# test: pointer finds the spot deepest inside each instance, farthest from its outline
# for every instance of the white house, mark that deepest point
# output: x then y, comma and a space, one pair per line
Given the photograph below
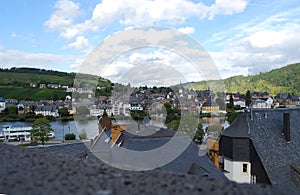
2, 104
240, 102
262, 103
46, 110
121, 109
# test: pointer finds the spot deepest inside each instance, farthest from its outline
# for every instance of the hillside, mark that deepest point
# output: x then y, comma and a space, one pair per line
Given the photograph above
282, 80
16, 83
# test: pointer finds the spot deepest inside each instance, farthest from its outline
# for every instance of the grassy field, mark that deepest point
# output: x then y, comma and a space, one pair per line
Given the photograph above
10, 78
31, 93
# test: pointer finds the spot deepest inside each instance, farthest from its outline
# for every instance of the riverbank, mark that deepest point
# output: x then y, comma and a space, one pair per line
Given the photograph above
49, 143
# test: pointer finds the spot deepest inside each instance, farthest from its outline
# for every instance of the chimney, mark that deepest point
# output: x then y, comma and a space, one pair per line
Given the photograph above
286, 127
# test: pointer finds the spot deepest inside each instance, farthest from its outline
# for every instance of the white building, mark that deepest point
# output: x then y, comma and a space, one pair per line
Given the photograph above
46, 110
2, 104
261, 103
235, 151
121, 109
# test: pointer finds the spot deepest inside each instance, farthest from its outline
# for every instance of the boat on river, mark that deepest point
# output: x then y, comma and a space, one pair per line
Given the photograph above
11, 133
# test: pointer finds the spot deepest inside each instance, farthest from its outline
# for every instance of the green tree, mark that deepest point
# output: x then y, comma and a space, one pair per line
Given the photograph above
41, 128
248, 99
231, 100
13, 110
198, 137
70, 136
63, 112
174, 124
138, 116
172, 113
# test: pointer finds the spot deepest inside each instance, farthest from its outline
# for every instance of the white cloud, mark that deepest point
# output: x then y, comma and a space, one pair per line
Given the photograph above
136, 13
62, 19
259, 46
187, 30
76, 64
9, 58
80, 43
227, 7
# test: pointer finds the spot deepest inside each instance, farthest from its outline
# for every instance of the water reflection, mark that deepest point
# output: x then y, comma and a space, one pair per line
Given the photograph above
91, 126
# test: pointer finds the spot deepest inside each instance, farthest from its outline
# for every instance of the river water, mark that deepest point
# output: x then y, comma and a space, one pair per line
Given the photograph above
91, 126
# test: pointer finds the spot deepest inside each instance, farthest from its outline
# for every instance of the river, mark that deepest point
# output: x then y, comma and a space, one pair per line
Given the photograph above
91, 127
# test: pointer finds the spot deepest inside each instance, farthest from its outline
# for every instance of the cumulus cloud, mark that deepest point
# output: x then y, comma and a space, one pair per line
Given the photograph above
136, 13
17, 58
259, 46
187, 30
226, 7
66, 11
80, 43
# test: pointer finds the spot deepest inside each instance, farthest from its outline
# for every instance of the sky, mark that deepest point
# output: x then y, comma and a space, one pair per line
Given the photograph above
241, 37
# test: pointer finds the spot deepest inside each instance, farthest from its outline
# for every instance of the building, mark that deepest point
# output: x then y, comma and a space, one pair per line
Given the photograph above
235, 151
46, 110
262, 146
121, 108
262, 103
2, 104
147, 147
210, 106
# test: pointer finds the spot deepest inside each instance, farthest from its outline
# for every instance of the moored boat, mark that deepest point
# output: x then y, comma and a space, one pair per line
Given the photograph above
19, 133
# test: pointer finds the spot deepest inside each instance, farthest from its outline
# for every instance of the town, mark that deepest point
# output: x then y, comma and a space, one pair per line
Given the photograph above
237, 149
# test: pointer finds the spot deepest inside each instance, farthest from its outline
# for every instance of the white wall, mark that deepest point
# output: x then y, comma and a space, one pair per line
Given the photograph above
2, 106
235, 170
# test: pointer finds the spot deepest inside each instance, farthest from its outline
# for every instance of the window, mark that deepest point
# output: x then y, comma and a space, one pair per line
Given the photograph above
245, 167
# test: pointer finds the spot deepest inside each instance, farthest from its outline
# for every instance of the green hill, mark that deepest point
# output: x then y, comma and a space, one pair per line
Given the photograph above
16, 83
281, 80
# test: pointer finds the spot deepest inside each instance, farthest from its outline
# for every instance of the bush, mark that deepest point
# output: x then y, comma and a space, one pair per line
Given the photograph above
70, 136
82, 134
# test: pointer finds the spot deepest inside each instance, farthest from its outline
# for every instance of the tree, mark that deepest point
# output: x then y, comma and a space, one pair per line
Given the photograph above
248, 98
13, 110
198, 137
41, 128
231, 101
70, 136
138, 116
63, 112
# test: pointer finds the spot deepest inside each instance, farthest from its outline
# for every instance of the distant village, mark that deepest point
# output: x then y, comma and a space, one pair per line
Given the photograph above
260, 146
198, 101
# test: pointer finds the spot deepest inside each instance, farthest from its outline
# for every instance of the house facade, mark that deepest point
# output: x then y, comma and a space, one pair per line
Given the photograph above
46, 110
2, 104
262, 146
262, 103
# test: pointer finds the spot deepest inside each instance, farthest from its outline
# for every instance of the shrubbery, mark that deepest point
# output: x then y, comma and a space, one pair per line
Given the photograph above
70, 136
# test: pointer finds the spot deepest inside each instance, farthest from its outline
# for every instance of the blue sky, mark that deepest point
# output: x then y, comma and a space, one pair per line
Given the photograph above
242, 36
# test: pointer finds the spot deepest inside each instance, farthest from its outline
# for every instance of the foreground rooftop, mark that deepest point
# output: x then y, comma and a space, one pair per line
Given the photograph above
72, 169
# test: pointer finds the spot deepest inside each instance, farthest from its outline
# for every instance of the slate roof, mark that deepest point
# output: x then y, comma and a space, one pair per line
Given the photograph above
46, 108
147, 140
239, 128
209, 102
39, 171
271, 146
